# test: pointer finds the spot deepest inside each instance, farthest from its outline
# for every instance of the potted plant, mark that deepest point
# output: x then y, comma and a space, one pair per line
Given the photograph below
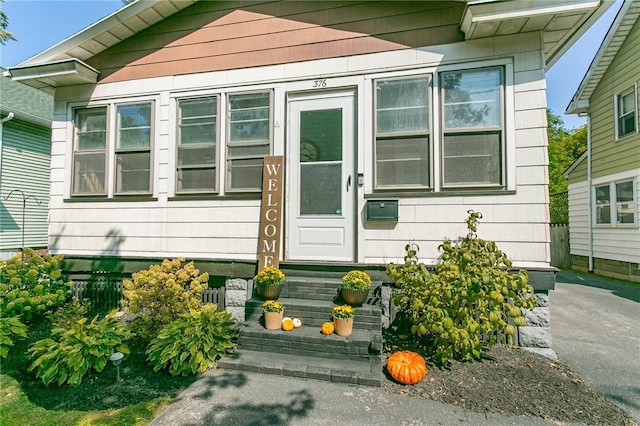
343, 320
273, 312
355, 287
269, 283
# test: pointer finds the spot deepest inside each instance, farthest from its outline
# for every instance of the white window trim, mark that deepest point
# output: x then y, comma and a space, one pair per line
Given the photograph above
612, 180
633, 89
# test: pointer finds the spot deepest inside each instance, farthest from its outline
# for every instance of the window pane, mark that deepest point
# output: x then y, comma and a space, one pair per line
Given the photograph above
472, 99
198, 121
402, 106
133, 172
248, 151
245, 174
321, 134
625, 208
196, 155
89, 173
196, 179
402, 161
320, 188
472, 159
627, 103
134, 126
249, 117
603, 204
91, 127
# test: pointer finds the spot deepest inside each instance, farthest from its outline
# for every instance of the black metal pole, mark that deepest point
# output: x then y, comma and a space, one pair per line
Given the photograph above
24, 207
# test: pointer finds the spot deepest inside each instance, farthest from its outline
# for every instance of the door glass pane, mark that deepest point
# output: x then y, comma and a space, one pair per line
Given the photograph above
321, 135
321, 189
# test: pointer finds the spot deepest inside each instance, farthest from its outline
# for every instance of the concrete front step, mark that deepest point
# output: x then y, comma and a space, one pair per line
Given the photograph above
309, 341
314, 312
368, 373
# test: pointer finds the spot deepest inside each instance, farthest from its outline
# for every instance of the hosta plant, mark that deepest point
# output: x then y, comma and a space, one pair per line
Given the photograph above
193, 343
470, 302
31, 287
160, 294
10, 329
71, 353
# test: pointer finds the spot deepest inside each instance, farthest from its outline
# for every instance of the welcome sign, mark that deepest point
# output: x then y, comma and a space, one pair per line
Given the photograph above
270, 213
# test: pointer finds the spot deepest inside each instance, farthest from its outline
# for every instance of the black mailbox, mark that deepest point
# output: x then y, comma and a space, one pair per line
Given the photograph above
382, 210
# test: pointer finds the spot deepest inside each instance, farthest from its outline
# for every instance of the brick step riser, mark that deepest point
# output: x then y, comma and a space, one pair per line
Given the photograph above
316, 319
315, 291
352, 354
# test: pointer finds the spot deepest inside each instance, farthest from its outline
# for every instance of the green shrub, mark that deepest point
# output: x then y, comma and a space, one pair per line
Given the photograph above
160, 294
32, 287
468, 303
66, 316
192, 343
10, 329
69, 355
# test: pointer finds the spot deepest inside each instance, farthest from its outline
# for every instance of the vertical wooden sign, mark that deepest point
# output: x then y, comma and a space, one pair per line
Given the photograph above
270, 213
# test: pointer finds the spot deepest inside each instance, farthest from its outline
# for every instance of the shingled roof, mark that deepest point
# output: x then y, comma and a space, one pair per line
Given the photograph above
25, 102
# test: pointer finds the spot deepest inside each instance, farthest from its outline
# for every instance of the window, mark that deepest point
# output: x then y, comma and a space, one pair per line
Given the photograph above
197, 136
616, 200
626, 112
126, 143
248, 139
90, 155
472, 128
402, 133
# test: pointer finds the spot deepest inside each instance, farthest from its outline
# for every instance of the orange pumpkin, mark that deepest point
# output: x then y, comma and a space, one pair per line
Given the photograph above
406, 367
327, 328
287, 325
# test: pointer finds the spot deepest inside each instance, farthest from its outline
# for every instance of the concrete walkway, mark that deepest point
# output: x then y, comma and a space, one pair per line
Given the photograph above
595, 327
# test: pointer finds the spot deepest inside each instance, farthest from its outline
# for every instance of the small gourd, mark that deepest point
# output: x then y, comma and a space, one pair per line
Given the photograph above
297, 323
287, 325
285, 319
327, 328
407, 367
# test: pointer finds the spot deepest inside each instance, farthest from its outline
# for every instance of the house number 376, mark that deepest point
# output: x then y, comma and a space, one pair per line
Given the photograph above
319, 83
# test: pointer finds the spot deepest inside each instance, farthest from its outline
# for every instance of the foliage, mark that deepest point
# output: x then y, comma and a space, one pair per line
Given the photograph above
468, 303
192, 343
31, 287
357, 280
268, 275
75, 350
343, 311
10, 329
5, 35
66, 316
565, 147
160, 294
272, 306
406, 367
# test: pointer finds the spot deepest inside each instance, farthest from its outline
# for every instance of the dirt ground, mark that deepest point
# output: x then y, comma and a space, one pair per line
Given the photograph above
514, 381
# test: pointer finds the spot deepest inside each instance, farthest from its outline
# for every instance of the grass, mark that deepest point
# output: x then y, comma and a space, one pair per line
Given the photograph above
99, 400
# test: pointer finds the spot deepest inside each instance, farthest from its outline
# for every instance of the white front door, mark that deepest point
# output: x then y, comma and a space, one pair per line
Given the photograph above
320, 177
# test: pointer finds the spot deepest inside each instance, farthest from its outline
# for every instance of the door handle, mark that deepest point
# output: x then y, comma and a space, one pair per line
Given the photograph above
348, 182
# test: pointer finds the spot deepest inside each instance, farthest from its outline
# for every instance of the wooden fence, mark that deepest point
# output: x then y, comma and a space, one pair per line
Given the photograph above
560, 254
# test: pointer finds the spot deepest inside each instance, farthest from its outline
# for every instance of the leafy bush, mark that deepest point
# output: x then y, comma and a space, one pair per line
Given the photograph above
192, 343
31, 287
468, 303
10, 329
160, 294
66, 316
75, 350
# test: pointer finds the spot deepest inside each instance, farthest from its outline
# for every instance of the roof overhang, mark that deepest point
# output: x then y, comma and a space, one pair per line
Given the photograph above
48, 76
617, 34
561, 22
574, 165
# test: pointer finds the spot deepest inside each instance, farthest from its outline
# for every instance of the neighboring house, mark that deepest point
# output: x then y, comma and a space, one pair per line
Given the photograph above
604, 183
165, 110
25, 149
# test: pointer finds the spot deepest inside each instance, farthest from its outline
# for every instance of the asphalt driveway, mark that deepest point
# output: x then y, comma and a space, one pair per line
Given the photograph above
595, 327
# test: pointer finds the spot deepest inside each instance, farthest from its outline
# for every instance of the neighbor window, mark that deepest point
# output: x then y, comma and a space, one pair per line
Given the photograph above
133, 148
472, 110
603, 204
616, 200
626, 108
402, 133
248, 139
197, 136
90, 152
625, 204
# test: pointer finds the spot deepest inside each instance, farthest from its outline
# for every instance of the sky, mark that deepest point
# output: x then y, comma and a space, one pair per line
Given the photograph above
38, 25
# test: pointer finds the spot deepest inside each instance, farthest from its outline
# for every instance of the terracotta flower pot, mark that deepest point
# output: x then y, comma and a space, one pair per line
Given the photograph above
269, 291
273, 320
343, 326
355, 297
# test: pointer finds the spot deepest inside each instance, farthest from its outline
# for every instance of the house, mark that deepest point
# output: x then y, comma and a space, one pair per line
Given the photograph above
604, 183
393, 120
25, 148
